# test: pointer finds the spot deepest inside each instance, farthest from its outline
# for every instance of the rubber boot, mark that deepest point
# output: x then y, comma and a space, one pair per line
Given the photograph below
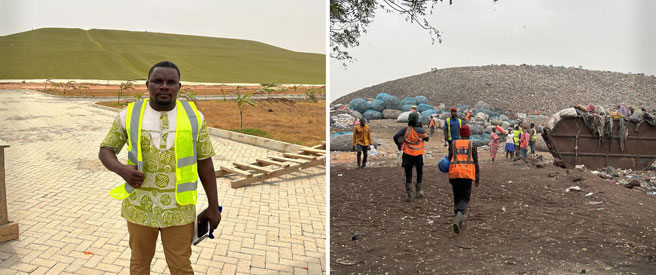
408, 189
420, 193
359, 163
457, 222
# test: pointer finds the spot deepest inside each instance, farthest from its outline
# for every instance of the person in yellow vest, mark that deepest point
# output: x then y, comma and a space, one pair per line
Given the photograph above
169, 150
534, 137
517, 134
410, 141
452, 128
463, 170
361, 141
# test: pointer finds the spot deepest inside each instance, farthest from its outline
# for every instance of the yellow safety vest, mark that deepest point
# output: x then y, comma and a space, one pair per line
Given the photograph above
448, 123
186, 136
534, 136
516, 136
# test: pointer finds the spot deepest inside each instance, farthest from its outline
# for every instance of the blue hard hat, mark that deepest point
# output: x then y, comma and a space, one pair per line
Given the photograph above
443, 164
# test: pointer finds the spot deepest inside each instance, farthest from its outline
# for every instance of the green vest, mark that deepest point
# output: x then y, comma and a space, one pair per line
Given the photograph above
448, 126
516, 136
534, 136
186, 136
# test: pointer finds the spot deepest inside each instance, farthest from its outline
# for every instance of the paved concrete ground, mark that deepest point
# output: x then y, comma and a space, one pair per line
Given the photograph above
57, 191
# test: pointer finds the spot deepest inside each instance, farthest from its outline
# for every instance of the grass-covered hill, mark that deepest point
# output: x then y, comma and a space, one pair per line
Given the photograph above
60, 53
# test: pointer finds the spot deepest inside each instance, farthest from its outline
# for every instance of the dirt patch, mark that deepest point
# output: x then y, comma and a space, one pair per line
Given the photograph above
289, 121
520, 220
100, 90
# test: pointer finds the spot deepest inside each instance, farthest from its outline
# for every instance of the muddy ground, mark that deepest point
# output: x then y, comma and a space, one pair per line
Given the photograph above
520, 220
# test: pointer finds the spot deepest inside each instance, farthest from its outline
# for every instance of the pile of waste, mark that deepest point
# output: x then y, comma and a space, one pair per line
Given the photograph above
640, 180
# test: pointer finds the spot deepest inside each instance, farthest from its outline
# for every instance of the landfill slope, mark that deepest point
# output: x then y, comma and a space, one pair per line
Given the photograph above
520, 88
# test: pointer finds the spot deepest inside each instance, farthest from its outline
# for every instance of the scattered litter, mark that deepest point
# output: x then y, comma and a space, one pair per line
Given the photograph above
430, 221
503, 209
404, 217
588, 194
344, 261
595, 202
339, 175
580, 167
87, 252
355, 237
510, 181
573, 188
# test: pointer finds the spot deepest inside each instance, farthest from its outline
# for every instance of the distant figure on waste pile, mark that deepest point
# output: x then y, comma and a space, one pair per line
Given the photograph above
410, 141
452, 128
510, 144
361, 141
494, 144
523, 144
431, 125
463, 170
534, 138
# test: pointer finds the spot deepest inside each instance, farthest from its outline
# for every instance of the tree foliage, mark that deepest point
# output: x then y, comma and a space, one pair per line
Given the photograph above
242, 100
349, 19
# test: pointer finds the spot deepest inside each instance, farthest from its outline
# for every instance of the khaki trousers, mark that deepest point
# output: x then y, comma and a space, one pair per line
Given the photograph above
176, 241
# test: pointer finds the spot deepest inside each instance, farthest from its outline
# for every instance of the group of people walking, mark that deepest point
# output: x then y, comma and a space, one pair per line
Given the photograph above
462, 154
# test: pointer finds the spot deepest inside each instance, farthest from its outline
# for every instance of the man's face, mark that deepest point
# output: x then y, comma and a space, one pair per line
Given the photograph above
454, 113
163, 85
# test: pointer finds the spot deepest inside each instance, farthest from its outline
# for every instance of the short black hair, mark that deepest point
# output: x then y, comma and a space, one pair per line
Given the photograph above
165, 64
532, 125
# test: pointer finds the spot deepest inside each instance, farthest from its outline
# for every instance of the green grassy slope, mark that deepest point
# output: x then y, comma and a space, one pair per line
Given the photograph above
122, 55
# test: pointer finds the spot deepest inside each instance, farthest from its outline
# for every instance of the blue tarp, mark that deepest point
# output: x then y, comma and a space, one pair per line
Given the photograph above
372, 114
428, 112
409, 101
406, 108
359, 104
392, 102
421, 99
340, 133
382, 96
377, 105
424, 107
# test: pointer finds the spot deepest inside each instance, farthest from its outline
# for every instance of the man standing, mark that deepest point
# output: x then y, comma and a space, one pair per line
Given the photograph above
361, 141
169, 150
410, 141
517, 134
534, 138
452, 128
523, 140
463, 170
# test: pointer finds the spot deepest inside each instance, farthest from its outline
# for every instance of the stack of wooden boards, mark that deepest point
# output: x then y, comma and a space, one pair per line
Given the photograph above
274, 166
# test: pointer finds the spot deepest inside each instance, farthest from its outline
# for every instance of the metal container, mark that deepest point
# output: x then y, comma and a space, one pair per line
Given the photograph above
572, 143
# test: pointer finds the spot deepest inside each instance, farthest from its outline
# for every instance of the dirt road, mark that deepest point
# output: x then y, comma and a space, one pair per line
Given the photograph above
520, 220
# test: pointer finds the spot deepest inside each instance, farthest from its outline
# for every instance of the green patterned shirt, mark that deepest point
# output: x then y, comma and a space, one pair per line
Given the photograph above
154, 204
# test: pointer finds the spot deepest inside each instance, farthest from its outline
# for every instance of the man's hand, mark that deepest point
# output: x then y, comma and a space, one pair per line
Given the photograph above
476, 184
213, 215
132, 176
353, 148
446, 143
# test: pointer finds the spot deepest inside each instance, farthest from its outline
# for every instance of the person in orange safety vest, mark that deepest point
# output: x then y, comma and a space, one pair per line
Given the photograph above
410, 141
463, 170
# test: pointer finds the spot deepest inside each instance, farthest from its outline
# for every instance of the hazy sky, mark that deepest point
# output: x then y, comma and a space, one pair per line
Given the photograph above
298, 25
601, 35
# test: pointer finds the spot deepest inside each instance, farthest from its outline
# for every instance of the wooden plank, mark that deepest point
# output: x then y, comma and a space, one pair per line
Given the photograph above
272, 162
220, 173
287, 159
297, 156
312, 150
237, 171
277, 173
252, 167
8, 231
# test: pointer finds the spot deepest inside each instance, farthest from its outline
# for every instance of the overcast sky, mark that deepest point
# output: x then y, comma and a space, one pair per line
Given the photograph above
298, 25
601, 35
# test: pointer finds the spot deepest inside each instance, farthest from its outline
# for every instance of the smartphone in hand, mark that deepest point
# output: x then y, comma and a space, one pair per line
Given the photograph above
202, 228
